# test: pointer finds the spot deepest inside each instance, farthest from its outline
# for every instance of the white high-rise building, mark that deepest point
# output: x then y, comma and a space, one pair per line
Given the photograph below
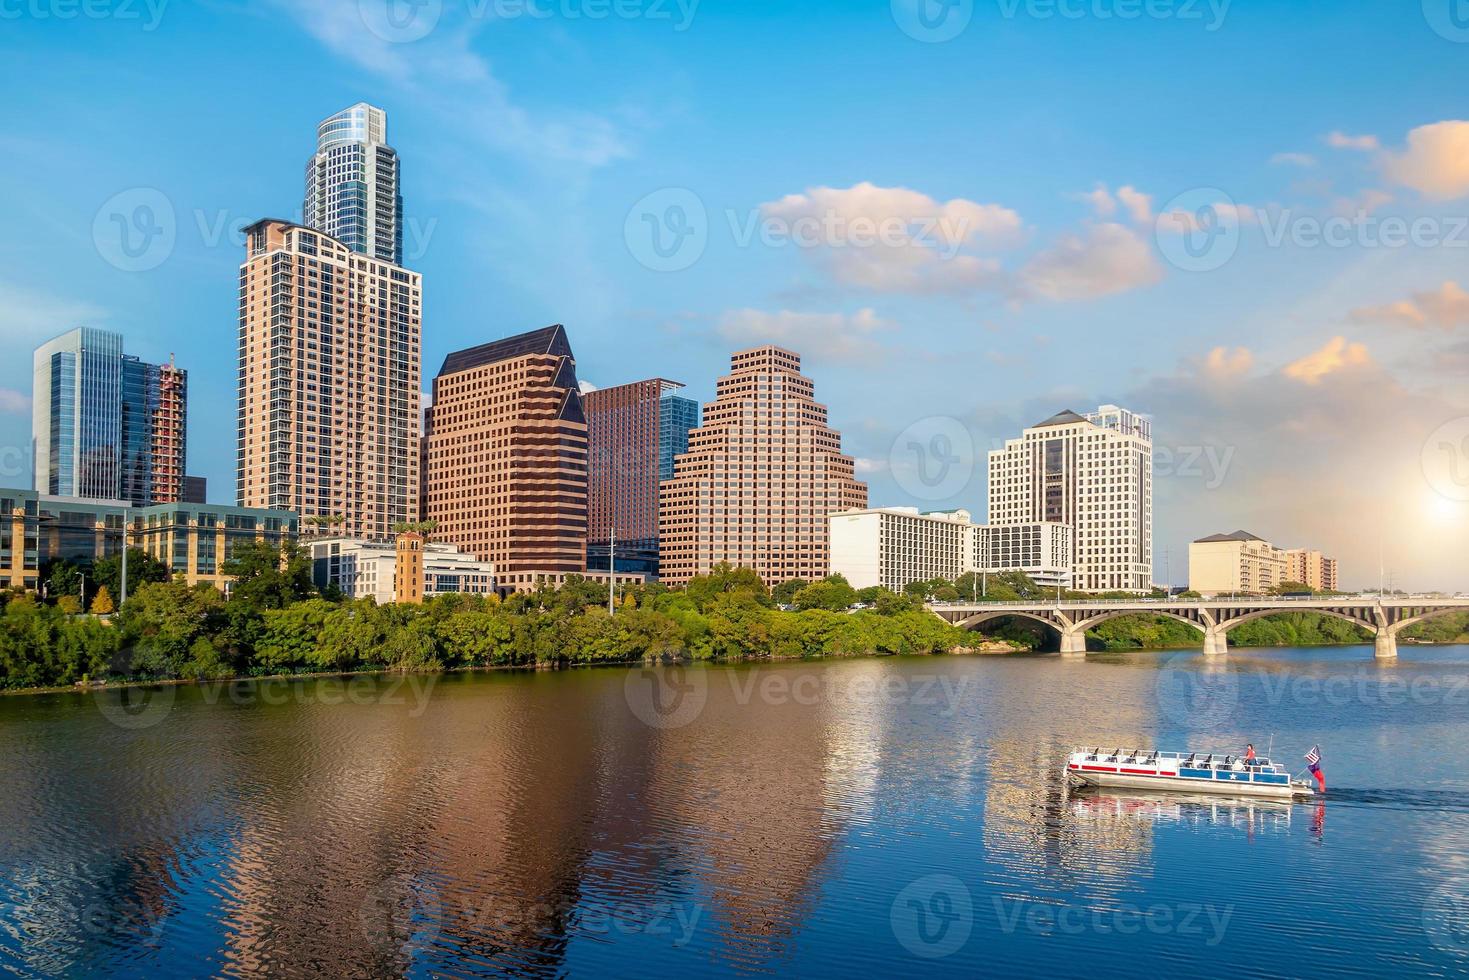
1093, 473
895, 546
352, 188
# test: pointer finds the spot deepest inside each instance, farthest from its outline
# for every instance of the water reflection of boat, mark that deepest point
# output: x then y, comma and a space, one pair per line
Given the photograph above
1197, 772
1089, 804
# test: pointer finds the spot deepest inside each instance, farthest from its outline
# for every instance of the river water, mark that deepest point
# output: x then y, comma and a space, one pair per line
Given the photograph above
882, 816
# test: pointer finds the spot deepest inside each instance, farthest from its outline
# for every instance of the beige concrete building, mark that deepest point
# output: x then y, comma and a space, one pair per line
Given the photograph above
328, 381
1239, 562
406, 570
1093, 473
1313, 569
506, 458
761, 477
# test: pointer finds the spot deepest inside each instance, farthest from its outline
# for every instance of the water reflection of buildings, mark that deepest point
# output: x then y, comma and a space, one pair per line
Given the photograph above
1029, 827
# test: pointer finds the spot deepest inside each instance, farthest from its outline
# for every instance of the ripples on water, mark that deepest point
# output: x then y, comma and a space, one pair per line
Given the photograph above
818, 818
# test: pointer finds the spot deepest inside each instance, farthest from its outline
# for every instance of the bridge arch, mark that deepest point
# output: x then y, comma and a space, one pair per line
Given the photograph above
1423, 617
1225, 625
1095, 621
979, 619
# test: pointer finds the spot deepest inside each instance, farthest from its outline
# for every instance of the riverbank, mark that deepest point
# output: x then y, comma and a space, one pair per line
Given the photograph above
989, 648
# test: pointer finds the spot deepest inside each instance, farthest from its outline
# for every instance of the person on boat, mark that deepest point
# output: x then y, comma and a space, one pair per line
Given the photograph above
1250, 754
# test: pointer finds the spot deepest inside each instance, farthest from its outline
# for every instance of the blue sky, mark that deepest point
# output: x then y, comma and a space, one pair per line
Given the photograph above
1036, 175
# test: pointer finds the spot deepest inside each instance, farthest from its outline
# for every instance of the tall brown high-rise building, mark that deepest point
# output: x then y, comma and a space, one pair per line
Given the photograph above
506, 458
624, 428
759, 479
169, 432
328, 381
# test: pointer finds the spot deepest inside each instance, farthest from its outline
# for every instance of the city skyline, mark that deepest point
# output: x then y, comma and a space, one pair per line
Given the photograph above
1289, 370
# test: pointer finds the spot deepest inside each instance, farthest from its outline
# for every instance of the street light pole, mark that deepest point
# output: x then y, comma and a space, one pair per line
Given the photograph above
612, 573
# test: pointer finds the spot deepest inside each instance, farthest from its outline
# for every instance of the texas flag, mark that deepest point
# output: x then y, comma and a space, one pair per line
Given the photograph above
1313, 759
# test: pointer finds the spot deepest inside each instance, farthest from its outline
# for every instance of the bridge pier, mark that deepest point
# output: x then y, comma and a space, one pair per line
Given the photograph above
1216, 642
1073, 644
1387, 644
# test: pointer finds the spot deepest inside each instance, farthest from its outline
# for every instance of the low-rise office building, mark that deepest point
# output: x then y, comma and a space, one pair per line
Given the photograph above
1312, 569
370, 569
192, 540
893, 547
1238, 562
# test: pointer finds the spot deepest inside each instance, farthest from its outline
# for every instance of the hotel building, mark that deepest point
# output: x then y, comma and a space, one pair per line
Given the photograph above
352, 184
107, 426
761, 477
1239, 562
405, 570
1094, 474
328, 381
193, 541
506, 458
1313, 569
893, 547
633, 433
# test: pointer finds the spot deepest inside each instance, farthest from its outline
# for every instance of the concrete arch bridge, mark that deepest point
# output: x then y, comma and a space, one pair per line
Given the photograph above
1384, 617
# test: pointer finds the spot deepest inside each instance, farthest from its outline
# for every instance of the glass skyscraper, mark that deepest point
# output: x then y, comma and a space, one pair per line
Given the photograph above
676, 417
352, 189
106, 426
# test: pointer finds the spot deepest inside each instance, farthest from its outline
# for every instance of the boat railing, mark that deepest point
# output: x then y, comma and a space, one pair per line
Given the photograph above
1193, 760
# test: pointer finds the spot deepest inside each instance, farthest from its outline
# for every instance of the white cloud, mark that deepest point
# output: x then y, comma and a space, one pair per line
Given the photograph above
866, 466
1138, 204
893, 239
1337, 355
830, 336
28, 316
440, 74
1293, 159
1106, 259
1338, 140
1435, 162
1105, 203
586, 387
1223, 363
1447, 307
1335, 465
13, 402
1364, 202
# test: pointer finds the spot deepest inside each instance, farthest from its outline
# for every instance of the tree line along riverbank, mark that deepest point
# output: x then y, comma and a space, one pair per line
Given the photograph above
275, 621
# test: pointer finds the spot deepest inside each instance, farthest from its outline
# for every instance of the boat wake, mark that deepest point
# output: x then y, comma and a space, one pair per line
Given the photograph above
1445, 801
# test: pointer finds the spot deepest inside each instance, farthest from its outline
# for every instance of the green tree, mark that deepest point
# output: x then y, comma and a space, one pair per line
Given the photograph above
784, 594
723, 580
142, 568
269, 576
832, 593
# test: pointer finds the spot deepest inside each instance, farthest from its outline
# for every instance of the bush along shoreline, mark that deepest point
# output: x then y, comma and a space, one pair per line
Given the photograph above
276, 623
